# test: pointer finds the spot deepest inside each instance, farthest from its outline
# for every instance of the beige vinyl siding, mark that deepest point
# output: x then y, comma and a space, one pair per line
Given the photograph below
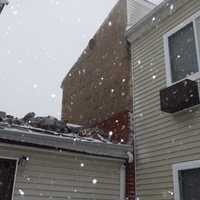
57, 175
161, 139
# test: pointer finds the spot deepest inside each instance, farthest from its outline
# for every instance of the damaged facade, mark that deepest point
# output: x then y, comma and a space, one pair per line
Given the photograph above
98, 85
97, 90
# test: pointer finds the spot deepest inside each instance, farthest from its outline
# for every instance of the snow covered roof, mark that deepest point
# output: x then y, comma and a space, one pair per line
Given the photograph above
49, 132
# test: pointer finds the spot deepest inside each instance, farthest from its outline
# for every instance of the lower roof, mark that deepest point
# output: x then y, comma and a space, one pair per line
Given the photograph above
41, 140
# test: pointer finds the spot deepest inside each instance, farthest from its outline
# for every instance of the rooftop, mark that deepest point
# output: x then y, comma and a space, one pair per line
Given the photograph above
51, 133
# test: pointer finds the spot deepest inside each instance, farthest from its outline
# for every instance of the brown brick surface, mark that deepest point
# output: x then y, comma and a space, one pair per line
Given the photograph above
98, 84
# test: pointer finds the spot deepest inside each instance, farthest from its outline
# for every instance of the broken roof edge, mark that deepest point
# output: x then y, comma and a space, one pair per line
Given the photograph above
145, 24
39, 140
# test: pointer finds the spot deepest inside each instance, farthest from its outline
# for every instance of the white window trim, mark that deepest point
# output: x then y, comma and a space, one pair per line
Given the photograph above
15, 176
166, 49
178, 167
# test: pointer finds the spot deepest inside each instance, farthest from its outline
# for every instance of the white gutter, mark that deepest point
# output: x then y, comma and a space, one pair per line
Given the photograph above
68, 144
123, 182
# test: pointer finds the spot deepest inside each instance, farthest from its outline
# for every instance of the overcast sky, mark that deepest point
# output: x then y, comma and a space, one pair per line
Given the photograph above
39, 42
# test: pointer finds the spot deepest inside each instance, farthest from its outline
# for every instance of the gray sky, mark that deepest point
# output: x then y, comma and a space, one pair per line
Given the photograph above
39, 41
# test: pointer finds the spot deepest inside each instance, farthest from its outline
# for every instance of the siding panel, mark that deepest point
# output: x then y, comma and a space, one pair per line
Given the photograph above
161, 139
59, 176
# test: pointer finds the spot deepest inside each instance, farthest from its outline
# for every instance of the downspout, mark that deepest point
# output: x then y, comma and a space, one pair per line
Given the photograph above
123, 177
123, 182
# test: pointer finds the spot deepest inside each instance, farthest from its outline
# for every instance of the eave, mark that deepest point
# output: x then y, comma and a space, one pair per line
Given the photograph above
33, 139
159, 13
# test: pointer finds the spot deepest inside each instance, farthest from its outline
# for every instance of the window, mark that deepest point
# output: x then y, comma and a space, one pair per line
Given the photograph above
182, 50
7, 176
187, 180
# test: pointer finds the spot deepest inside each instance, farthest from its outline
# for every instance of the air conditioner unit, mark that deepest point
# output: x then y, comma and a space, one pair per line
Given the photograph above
179, 96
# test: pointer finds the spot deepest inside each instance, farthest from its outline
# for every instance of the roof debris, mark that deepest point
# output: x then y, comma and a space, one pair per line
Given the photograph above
52, 126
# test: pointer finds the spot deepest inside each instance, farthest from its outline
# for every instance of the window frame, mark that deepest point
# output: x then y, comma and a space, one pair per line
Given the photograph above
15, 175
179, 167
166, 36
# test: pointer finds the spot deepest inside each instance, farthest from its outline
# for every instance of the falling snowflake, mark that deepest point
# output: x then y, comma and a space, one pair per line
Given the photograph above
75, 190
19, 61
82, 165
171, 7
110, 133
123, 80
57, 3
141, 115
94, 181
15, 12
153, 19
9, 52
27, 158
79, 20
171, 193
109, 23
154, 76
53, 96
21, 192
112, 90
35, 86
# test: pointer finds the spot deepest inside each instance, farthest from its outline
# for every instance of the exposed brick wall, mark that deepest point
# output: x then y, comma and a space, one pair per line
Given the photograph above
98, 85
119, 125
130, 181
